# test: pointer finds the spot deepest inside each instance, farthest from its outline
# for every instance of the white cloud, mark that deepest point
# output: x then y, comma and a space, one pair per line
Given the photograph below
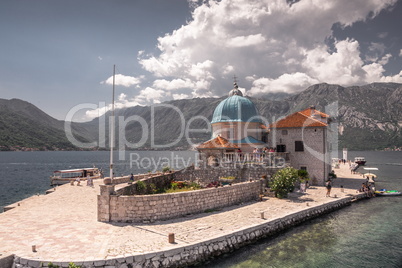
173, 84
122, 97
121, 102
180, 96
123, 80
384, 60
289, 83
268, 44
228, 69
151, 95
375, 74
243, 41
375, 51
343, 66
202, 70
146, 96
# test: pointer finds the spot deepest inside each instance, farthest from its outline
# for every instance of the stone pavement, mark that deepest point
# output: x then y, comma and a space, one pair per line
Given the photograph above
63, 225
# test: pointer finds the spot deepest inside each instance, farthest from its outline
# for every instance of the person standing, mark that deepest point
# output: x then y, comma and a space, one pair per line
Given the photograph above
328, 185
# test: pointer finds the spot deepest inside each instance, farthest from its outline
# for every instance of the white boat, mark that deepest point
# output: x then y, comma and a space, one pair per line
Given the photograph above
361, 161
68, 175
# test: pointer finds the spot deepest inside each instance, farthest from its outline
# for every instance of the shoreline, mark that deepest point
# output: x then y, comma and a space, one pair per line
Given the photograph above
91, 243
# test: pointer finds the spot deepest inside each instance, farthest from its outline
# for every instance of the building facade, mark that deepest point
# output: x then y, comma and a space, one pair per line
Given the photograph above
239, 135
237, 120
304, 135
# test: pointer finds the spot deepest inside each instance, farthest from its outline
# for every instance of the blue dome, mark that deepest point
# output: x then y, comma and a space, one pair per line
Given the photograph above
235, 109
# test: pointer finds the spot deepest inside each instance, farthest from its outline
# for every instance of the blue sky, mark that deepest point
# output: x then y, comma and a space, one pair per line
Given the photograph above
59, 54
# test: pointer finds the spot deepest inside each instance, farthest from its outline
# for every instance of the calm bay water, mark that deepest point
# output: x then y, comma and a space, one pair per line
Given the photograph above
365, 234
23, 174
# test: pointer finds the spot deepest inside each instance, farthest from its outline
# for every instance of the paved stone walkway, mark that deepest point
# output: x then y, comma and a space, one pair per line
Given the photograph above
63, 225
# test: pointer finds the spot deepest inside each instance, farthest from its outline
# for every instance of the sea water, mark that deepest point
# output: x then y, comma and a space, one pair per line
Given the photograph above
23, 174
366, 234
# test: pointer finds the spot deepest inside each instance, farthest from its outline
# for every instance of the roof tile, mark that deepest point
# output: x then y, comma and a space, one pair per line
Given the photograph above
217, 143
299, 120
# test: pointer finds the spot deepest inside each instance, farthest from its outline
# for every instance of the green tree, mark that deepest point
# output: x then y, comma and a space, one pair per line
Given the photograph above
283, 181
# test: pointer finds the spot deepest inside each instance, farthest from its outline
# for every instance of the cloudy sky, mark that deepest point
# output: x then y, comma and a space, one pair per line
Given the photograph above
59, 54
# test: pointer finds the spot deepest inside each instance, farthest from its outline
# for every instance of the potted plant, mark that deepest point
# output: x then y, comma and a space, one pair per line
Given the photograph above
303, 175
283, 181
332, 175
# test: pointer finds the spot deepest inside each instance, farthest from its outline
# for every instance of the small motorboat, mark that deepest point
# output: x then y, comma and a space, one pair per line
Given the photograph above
361, 161
384, 192
70, 175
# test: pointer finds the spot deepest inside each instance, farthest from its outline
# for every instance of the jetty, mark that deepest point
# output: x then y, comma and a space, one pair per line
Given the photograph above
62, 227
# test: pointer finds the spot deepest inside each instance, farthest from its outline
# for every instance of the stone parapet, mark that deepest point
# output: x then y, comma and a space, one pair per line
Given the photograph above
139, 208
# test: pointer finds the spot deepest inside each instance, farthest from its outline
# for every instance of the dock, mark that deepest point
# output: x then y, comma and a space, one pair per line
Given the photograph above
62, 227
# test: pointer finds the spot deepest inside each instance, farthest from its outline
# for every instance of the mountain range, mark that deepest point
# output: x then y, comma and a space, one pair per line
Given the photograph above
368, 117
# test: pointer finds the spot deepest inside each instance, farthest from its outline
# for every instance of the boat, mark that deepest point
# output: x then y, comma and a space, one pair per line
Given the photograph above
384, 192
70, 175
361, 161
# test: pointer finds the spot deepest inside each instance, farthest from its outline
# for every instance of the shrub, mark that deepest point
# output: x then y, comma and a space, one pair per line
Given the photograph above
72, 265
165, 169
182, 186
332, 175
303, 175
153, 188
228, 178
283, 181
213, 184
194, 186
140, 186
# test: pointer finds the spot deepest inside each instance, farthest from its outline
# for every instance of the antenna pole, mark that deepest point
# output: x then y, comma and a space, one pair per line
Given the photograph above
112, 127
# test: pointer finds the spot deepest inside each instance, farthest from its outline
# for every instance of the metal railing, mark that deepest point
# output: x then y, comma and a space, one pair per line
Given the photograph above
270, 159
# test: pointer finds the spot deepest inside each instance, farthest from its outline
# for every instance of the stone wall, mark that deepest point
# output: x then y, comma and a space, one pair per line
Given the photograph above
140, 208
315, 156
6, 261
125, 179
206, 175
123, 204
160, 181
199, 252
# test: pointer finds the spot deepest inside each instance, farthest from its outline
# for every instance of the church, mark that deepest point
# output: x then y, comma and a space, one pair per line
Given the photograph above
240, 136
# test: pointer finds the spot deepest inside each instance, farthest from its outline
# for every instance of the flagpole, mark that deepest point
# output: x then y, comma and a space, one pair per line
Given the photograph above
112, 130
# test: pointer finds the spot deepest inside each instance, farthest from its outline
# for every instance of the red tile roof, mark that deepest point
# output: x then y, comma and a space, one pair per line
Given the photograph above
299, 120
307, 112
217, 143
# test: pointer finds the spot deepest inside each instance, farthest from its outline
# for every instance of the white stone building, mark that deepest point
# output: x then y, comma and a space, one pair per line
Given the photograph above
239, 135
304, 135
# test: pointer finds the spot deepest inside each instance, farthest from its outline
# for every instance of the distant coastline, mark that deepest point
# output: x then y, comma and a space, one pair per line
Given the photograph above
393, 149
28, 149
181, 148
